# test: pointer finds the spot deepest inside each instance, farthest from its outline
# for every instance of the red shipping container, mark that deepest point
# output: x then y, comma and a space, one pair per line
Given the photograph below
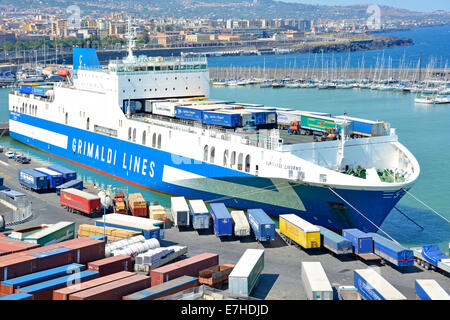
86, 249
187, 267
2, 253
111, 265
17, 267
18, 243
53, 258
114, 290
64, 293
29, 252
80, 200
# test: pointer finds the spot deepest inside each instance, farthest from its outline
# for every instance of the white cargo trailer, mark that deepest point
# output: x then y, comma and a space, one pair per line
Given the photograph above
164, 108
241, 225
315, 282
430, 290
200, 214
180, 211
242, 280
372, 286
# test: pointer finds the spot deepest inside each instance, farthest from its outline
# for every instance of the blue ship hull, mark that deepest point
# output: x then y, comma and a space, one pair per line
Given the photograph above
150, 167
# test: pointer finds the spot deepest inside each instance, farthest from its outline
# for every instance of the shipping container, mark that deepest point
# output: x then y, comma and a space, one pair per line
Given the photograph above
80, 201
365, 127
315, 282
372, 286
200, 214
115, 290
67, 173
54, 178
180, 211
7, 240
60, 231
41, 91
33, 179
18, 266
186, 267
164, 108
20, 234
111, 265
263, 227
85, 250
194, 112
335, 242
241, 225
392, 252
222, 118
300, 231
27, 88
44, 290
242, 280
430, 290
148, 227
361, 241
64, 293
222, 220
165, 289
75, 184
17, 296
52, 258
8, 286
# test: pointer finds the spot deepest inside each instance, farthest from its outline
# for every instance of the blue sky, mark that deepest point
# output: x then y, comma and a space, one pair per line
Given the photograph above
413, 5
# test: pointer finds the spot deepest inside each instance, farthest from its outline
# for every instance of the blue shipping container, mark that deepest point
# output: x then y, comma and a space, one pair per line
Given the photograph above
54, 178
67, 173
361, 242
335, 242
160, 289
77, 184
25, 88
17, 296
263, 227
224, 119
191, 112
41, 286
391, 251
41, 90
223, 222
40, 276
33, 179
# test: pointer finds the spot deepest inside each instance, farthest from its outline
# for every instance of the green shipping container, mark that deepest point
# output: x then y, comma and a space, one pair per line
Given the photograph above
317, 123
55, 233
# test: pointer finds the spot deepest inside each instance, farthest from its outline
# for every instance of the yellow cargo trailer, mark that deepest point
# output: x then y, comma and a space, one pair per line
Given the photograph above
300, 231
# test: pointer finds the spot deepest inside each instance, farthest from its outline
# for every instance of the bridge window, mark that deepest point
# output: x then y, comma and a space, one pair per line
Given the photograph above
205, 153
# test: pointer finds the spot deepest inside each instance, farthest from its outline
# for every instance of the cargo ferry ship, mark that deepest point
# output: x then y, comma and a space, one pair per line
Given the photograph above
149, 121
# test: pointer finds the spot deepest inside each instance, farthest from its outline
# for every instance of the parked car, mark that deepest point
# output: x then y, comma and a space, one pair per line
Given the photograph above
23, 159
10, 154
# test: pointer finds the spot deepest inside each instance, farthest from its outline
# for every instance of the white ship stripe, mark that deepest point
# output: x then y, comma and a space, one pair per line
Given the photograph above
50, 137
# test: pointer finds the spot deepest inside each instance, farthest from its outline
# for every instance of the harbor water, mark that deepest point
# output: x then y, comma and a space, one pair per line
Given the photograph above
421, 128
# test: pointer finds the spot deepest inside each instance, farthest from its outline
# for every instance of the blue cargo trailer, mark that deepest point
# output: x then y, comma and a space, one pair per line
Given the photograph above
17, 296
363, 127
430, 290
76, 184
222, 118
335, 242
33, 179
222, 220
263, 227
41, 90
361, 241
391, 251
32, 278
67, 173
192, 112
54, 178
372, 286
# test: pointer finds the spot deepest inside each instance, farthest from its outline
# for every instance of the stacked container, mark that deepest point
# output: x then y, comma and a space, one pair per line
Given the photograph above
223, 223
165, 289
263, 227
137, 205
54, 178
200, 214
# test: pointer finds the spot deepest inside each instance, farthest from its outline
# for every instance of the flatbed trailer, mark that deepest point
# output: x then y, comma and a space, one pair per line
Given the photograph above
440, 263
369, 256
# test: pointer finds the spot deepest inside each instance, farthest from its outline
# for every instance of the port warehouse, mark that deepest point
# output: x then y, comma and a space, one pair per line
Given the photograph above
229, 114
40, 288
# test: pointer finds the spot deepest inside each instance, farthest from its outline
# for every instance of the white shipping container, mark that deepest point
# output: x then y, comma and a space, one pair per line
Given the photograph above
371, 285
315, 282
200, 214
430, 290
245, 274
164, 108
241, 225
180, 211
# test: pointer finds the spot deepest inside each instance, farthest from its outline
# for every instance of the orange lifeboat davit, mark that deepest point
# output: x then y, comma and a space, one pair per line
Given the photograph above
62, 73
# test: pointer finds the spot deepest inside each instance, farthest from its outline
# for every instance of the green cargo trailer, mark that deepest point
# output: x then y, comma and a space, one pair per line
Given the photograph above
55, 233
318, 123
